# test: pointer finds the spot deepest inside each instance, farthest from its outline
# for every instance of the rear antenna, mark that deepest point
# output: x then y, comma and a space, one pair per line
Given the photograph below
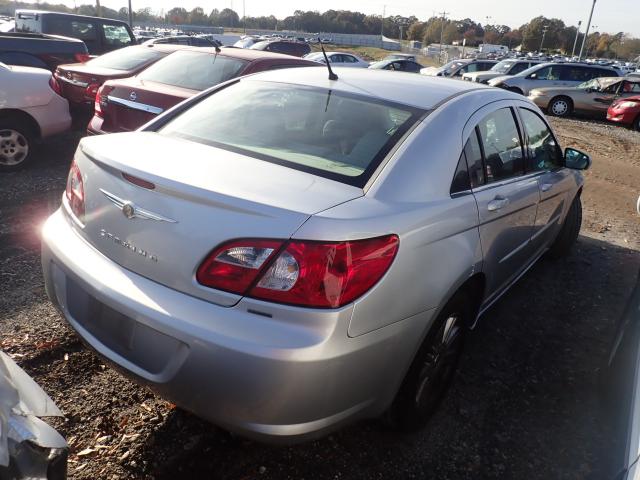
332, 76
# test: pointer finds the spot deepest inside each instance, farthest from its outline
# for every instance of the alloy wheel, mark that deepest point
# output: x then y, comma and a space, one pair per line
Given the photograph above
14, 147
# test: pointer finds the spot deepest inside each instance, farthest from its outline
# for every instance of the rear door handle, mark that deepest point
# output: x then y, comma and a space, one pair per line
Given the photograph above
497, 203
545, 187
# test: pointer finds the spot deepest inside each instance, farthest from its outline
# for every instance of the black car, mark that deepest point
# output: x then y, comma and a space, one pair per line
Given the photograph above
397, 65
101, 35
42, 51
297, 49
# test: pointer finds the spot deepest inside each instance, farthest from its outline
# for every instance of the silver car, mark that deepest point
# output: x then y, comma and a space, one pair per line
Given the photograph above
315, 258
551, 75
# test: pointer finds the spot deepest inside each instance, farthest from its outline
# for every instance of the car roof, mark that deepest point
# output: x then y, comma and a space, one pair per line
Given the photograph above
606, 81
68, 14
246, 54
420, 91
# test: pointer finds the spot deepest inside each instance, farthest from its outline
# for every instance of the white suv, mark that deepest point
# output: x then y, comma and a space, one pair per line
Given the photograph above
30, 109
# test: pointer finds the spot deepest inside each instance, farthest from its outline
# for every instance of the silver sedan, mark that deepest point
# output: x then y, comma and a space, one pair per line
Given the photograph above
286, 253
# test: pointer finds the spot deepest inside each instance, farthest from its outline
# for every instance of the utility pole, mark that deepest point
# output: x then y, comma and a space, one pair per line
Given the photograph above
586, 33
444, 17
98, 9
544, 33
573, 52
130, 15
244, 17
384, 8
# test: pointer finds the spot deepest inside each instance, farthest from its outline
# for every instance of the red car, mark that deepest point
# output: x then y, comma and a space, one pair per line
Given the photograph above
124, 105
626, 111
79, 82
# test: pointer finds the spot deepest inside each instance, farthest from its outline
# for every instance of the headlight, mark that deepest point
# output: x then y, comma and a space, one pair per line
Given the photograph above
628, 104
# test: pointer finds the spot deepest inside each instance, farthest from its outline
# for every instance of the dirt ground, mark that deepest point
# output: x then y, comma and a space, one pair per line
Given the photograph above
525, 404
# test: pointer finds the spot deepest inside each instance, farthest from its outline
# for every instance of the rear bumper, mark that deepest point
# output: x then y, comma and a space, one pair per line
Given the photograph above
289, 377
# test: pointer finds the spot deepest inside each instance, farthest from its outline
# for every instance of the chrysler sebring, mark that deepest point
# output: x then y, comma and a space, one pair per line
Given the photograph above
286, 252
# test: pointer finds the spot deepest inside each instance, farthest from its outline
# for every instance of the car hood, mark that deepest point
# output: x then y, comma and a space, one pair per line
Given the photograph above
500, 79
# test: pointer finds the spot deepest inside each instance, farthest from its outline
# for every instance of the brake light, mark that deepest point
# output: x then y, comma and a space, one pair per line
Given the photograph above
101, 100
81, 57
55, 85
75, 191
91, 91
304, 273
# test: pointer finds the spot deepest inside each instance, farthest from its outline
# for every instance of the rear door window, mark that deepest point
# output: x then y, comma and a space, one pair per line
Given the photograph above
518, 67
85, 31
502, 146
116, 36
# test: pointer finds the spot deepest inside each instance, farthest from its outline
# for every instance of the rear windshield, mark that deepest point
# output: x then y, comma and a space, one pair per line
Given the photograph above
335, 135
193, 70
126, 58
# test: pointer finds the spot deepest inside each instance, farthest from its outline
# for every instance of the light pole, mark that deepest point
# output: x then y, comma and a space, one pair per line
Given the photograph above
544, 34
130, 15
384, 7
586, 33
575, 42
444, 17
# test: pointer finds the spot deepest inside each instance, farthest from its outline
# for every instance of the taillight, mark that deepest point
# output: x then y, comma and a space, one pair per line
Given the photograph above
75, 191
91, 91
101, 100
55, 85
305, 273
82, 57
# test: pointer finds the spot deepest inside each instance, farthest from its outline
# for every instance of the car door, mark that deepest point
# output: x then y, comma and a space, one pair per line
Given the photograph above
507, 199
600, 100
545, 160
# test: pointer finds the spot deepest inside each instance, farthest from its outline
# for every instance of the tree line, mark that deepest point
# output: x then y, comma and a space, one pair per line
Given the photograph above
558, 38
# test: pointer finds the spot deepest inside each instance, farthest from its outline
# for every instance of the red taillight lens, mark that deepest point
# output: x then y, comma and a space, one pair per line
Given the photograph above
91, 91
305, 273
75, 191
55, 85
235, 266
82, 57
101, 100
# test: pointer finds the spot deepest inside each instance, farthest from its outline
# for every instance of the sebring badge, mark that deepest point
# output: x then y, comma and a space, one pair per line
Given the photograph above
131, 210
118, 241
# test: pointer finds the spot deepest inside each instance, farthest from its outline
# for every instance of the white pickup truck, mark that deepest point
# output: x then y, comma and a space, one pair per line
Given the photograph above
30, 110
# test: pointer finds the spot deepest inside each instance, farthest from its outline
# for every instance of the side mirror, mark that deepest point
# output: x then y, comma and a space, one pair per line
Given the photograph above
576, 159
533, 76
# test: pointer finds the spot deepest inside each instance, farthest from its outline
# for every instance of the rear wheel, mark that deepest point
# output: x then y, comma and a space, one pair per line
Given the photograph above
569, 231
432, 369
560, 106
16, 144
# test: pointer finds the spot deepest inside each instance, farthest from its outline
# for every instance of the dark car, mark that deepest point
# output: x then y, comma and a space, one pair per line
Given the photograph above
126, 104
397, 65
190, 40
297, 49
101, 35
80, 82
42, 51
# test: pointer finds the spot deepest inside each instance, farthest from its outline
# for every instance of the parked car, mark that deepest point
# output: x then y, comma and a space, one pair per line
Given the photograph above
591, 98
31, 108
128, 103
401, 56
625, 111
457, 68
41, 51
284, 254
80, 81
29, 447
397, 65
338, 59
551, 75
191, 40
297, 49
100, 35
505, 67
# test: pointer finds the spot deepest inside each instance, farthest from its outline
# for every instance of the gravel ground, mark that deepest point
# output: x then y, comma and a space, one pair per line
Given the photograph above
524, 405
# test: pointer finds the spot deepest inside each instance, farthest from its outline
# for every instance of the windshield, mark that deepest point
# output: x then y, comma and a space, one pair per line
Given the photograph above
126, 58
503, 66
452, 66
193, 70
324, 132
314, 56
244, 43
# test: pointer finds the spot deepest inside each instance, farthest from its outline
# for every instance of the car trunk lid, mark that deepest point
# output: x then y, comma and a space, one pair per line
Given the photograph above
203, 196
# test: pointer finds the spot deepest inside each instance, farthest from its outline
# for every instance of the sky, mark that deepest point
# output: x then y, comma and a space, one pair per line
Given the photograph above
609, 16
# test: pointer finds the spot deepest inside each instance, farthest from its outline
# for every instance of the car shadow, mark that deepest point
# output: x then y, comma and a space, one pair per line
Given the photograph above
525, 403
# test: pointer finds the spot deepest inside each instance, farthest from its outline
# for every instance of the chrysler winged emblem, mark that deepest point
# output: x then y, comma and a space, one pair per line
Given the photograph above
131, 210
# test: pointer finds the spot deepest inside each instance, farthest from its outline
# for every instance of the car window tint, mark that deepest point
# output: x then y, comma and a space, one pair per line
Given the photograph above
544, 73
333, 134
601, 72
461, 182
544, 151
473, 154
116, 35
518, 67
630, 87
193, 70
501, 144
612, 88
126, 58
348, 59
84, 31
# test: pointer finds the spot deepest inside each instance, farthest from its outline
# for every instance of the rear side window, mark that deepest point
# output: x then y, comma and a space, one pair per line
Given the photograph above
461, 182
193, 70
328, 133
518, 67
126, 58
116, 35
502, 146
473, 153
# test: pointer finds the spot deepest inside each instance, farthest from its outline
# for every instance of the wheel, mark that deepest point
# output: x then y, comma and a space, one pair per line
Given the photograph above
560, 106
16, 144
515, 90
432, 369
569, 231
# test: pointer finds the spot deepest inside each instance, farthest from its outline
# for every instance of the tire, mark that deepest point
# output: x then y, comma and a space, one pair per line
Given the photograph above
17, 143
560, 107
433, 367
569, 231
515, 90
